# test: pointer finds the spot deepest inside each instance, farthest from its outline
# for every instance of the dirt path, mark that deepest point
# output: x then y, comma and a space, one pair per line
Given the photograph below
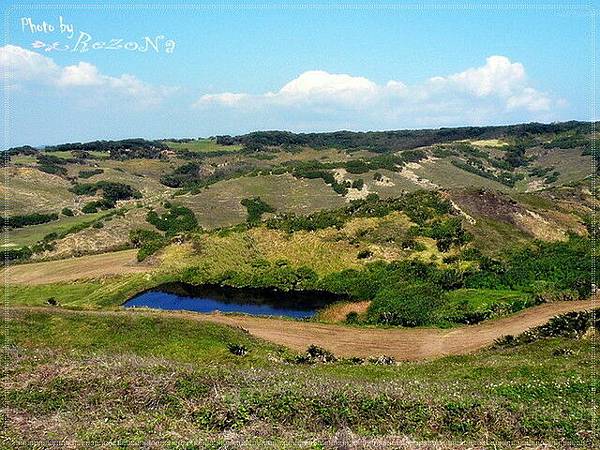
401, 343
92, 266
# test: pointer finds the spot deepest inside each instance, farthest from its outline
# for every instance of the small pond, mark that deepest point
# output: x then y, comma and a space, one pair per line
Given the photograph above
210, 298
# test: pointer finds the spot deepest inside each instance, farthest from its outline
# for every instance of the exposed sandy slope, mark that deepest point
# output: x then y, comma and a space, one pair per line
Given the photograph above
402, 344
92, 266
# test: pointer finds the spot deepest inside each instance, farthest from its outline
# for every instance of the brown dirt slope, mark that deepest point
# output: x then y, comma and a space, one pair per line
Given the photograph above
92, 266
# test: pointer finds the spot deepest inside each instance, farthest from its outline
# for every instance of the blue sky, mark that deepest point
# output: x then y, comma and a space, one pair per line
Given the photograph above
238, 69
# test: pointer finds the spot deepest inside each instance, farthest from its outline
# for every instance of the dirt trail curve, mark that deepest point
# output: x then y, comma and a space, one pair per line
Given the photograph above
401, 343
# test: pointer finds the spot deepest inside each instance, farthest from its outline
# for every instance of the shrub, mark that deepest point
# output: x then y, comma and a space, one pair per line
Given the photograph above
53, 170
407, 305
18, 254
67, 212
320, 354
569, 325
363, 254
352, 318
358, 184
357, 166
237, 349
256, 208
95, 205
90, 173
28, 219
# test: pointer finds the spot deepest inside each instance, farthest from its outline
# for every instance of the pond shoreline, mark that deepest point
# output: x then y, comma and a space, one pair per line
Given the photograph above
207, 298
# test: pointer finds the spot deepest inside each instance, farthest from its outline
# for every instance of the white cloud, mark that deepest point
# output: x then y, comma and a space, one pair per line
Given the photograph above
21, 64
82, 74
476, 95
226, 98
321, 86
24, 66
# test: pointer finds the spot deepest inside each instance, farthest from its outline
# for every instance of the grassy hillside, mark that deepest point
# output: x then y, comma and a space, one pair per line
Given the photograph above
164, 382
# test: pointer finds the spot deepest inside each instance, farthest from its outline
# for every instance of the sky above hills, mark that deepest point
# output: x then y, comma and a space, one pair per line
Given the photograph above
73, 73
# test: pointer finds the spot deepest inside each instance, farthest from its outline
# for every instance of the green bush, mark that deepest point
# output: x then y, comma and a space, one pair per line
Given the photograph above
357, 166
358, 184
256, 208
352, 318
571, 325
90, 173
95, 205
28, 219
148, 242
18, 254
67, 212
111, 192
407, 305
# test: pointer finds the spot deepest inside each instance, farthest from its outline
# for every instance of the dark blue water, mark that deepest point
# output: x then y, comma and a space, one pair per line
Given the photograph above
210, 298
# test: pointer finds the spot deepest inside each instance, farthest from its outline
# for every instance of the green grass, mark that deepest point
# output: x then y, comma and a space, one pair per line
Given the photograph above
66, 294
468, 305
202, 146
106, 293
138, 377
23, 159
143, 334
480, 299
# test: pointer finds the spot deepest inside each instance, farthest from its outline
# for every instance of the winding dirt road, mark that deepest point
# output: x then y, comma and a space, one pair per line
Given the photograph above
401, 343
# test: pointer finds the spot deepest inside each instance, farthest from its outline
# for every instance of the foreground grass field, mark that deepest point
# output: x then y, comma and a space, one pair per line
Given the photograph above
93, 380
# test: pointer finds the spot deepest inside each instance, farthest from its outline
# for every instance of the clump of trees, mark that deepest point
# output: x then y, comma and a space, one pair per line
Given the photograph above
419, 206
51, 164
111, 193
189, 178
515, 154
316, 169
120, 150
506, 178
392, 141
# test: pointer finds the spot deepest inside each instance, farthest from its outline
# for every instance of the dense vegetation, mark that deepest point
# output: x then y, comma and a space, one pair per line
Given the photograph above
385, 141
123, 149
111, 193
190, 177
90, 173
28, 219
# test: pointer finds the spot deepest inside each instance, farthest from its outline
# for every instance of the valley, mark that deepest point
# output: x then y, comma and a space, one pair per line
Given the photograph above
459, 260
